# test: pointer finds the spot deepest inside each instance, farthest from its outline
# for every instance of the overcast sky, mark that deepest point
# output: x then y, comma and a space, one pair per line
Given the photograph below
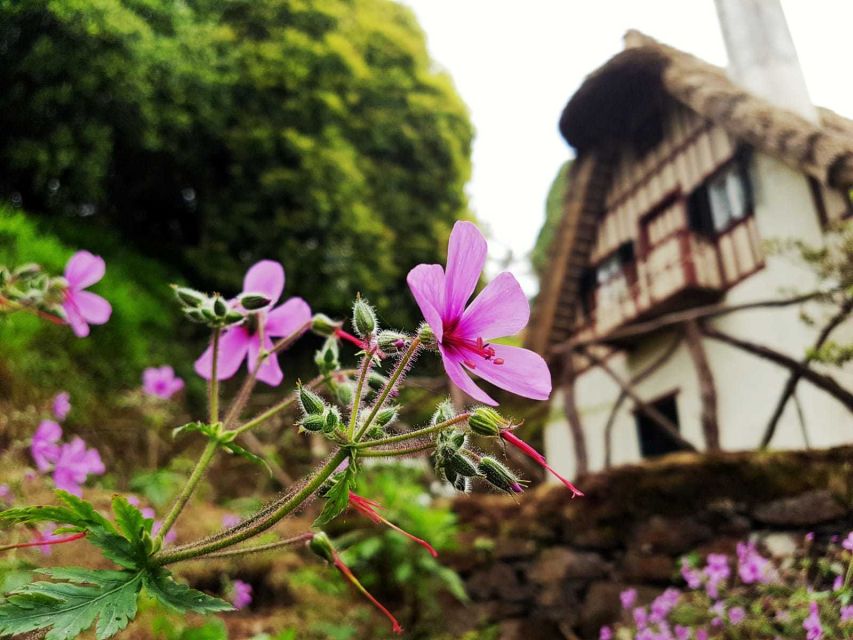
515, 64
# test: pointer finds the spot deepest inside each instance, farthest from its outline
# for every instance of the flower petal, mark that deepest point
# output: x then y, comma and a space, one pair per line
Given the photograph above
78, 325
84, 269
453, 367
466, 256
426, 281
266, 277
501, 309
523, 372
93, 308
286, 319
269, 371
233, 345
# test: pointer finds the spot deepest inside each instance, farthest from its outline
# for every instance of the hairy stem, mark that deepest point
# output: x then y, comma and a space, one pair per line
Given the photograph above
213, 387
258, 548
389, 453
359, 389
389, 387
258, 523
409, 435
189, 487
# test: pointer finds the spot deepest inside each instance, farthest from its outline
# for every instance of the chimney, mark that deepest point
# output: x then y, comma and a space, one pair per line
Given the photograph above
761, 53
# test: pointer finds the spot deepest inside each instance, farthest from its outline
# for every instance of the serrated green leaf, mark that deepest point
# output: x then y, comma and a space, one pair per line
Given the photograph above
210, 430
163, 588
70, 607
130, 520
337, 496
236, 449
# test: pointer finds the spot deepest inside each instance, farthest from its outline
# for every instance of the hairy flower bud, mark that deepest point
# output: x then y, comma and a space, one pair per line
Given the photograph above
344, 392
322, 547
333, 420
462, 465
313, 423
312, 404
376, 381
386, 416
195, 315
323, 324
220, 307
363, 318
498, 475
326, 357
27, 270
427, 336
232, 317
189, 297
443, 412
253, 301
392, 341
486, 422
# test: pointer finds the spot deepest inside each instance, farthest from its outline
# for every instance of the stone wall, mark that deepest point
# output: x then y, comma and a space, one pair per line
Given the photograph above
545, 566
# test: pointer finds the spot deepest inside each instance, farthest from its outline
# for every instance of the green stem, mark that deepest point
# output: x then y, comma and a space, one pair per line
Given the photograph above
359, 389
189, 487
259, 523
392, 382
409, 435
266, 415
213, 387
259, 548
388, 453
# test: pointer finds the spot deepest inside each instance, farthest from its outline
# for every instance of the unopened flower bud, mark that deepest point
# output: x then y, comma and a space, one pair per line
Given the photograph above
323, 324
326, 357
220, 307
195, 315
498, 475
344, 392
391, 341
462, 465
27, 270
443, 412
322, 547
386, 416
333, 420
313, 423
376, 381
427, 336
254, 301
486, 422
233, 316
189, 297
312, 404
363, 318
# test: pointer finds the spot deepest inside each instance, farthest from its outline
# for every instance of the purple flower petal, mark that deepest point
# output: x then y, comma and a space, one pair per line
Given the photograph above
233, 345
93, 308
78, 324
501, 309
43, 448
466, 256
426, 281
286, 319
265, 277
269, 371
61, 405
453, 367
523, 372
84, 269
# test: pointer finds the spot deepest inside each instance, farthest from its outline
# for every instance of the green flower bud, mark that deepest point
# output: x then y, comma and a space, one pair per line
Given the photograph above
486, 422
323, 324
392, 341
375, 432
27, 270
344, 392
233, 316
498, 475
321, 546
326, 358
333, 420
313, 423
209, 315
189, 297
363, 318
427, 336
443, 412
220, 307
462, 465
253, 301
376, 381
312, 404
195, 315
386, 416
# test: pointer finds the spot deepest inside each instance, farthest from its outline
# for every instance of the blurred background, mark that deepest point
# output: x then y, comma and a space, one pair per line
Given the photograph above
670, 182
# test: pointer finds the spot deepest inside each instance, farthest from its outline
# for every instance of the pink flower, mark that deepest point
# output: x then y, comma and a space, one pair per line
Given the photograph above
241, 594
5, 493
605, 633
847, 613
628, 598
61, 405
501, 309
230, 520
737, 615
681, 632
161, 382
838, 583
75, 464
368, 508
44, 447
641, 617
847, 543
812, 625
83, 307
693, 577
237, 343
752, 566
701, 634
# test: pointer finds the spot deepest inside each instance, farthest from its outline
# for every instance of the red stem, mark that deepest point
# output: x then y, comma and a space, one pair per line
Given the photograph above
40, 543
345, 570
532, 453
368, 508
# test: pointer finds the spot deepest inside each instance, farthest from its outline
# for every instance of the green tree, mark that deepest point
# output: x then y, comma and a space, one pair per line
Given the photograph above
213, 134
553, 214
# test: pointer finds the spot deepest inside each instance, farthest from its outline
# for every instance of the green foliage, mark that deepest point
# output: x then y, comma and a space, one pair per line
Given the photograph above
337, 494
553, 215
214, 134
158, 486
179, 597
140, 333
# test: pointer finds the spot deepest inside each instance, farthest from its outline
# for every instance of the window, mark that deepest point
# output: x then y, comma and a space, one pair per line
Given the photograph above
654, 441
614, 265
723, 200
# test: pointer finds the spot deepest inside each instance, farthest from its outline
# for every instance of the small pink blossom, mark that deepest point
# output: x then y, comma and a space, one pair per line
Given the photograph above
244, 341
641, 617
61, 405
605, 633
752, 566
161, 382
230, 520
628, 598
838, 583
44, 448
847, 613
847, 543
241, 594
693, 577
74, 464
81, 307
463, 334
682, 632
737, 615
701, 634
812, 625
5, 493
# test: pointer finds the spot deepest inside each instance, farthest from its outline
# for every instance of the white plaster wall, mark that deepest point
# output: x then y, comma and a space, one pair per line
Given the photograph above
747, 387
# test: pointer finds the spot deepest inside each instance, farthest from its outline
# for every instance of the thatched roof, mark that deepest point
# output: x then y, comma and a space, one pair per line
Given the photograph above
615, 103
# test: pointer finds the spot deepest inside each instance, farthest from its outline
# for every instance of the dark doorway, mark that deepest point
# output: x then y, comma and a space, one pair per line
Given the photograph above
654, 441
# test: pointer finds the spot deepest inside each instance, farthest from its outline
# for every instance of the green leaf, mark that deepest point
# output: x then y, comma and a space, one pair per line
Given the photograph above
236, 449
130, 520
71, 606
337, 496
162, 587
210, 430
